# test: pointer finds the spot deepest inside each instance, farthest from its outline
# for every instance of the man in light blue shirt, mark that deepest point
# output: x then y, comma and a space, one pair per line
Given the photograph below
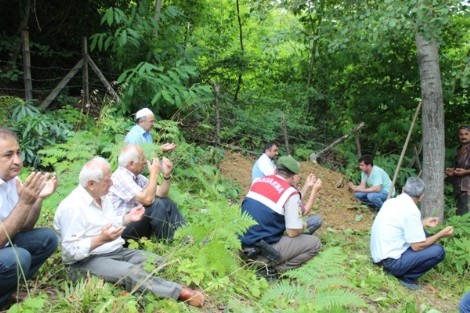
375, 183
265, 166
140, 132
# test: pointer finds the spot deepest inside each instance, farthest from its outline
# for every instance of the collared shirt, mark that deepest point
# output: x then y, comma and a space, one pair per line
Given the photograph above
137, 135
397, 225
125, 187
78, 219
264, 166
462, 183
8, 196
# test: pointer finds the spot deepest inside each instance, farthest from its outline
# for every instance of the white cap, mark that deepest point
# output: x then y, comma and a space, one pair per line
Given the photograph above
143, 112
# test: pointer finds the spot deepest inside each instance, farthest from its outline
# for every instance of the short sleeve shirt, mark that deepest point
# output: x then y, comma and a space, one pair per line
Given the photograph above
377, 177
125, 187
397, 225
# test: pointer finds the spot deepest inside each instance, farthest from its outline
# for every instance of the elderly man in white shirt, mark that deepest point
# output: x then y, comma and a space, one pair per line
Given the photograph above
398, 240
91, 240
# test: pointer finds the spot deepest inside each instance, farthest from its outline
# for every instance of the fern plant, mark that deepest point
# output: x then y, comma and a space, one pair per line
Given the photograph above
317, 286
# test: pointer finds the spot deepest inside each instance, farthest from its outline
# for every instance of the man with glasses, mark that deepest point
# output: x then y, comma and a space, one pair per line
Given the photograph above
460, 173
140, 132
130, 189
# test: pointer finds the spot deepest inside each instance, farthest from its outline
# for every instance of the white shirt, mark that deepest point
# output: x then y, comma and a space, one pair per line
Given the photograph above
397, 225
264, 166
78, 219
8, 197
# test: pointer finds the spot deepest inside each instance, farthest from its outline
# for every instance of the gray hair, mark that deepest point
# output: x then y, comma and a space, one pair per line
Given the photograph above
93, 171
414, 187
130, 153
7, 133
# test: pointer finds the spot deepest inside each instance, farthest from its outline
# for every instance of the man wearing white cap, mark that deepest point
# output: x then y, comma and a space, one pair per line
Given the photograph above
140, 132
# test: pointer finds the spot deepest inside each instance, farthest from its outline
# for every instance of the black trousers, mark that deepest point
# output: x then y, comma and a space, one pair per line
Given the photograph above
161, 219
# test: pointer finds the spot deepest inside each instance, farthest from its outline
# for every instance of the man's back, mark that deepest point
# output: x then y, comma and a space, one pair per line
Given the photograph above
397, 224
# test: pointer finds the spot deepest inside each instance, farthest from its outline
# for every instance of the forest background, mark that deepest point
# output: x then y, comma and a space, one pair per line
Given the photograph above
221, 74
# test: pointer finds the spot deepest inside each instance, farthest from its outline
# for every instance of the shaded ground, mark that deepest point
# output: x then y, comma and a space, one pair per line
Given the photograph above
336, 205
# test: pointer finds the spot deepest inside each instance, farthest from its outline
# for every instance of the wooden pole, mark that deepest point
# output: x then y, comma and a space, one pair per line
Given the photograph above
61, 85
284, 128
85, 77
217, 113
28, 84
314, 156
102, 78
413, 122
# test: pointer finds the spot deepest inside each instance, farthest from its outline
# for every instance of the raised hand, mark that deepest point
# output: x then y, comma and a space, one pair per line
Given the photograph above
135, 214
50, 185
168, 147
317, 185
446, 232
167, 166
110, 232
431, 222
311, 179
154, 166
32, 188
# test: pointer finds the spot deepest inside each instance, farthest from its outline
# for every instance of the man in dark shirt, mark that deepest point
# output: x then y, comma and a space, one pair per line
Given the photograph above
460, 173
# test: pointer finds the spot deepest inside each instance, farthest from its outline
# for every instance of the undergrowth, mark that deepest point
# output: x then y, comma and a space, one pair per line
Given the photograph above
341, 278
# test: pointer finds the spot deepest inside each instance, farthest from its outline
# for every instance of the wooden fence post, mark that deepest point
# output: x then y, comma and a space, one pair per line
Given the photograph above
284, 128
28, 84
85, 79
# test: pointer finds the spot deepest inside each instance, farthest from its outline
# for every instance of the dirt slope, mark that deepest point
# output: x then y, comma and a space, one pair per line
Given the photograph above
336, 205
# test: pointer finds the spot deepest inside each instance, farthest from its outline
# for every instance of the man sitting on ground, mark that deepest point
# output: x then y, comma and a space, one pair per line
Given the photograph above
23, 248
275, 204
375, 183
130, 188
91, 240
140, 132
398, 241
265, 166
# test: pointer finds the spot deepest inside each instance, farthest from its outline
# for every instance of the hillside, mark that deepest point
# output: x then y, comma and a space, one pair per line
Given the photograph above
336, 205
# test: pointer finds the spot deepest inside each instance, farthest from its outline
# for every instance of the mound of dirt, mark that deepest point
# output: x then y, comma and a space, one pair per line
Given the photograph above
334, 203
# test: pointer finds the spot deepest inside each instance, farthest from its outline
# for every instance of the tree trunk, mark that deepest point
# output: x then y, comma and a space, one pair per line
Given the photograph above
433, 127
240, 34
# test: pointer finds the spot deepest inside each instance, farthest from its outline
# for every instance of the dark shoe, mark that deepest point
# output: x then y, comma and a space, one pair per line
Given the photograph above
411, 286
269, 273
193, 297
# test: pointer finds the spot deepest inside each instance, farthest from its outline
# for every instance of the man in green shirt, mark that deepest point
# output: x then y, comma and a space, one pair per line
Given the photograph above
375, 183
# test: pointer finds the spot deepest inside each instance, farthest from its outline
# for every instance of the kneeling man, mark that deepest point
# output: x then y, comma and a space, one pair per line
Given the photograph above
275, 204
399, 242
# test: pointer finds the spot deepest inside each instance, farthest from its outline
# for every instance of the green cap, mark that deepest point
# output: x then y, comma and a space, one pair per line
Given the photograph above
289, 163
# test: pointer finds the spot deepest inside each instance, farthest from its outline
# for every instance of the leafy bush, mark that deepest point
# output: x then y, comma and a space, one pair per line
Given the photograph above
458, 246
36, 129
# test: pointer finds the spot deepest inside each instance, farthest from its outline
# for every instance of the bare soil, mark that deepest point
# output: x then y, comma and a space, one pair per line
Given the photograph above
335, 204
